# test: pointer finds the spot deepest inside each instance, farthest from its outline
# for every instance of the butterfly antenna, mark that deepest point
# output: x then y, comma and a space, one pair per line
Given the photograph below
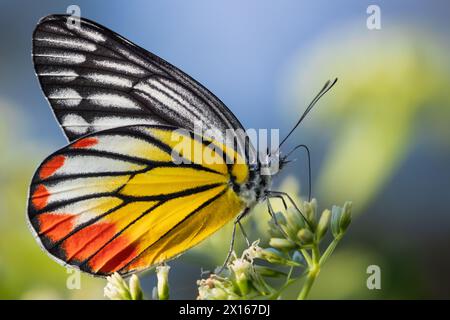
308, 154
328, 85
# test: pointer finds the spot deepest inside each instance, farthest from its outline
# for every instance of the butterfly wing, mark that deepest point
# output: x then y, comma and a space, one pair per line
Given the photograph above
95, 79
115, 201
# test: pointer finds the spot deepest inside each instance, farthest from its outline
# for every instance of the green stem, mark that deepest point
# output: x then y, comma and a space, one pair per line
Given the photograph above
315, 254
330, 250
307, 285
313, 272
291, 269
306, 256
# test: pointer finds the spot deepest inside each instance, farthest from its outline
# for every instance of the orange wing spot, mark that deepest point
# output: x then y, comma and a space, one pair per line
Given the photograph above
51, 166
114, 256
88, 240
55, 226
40, 197
85, 143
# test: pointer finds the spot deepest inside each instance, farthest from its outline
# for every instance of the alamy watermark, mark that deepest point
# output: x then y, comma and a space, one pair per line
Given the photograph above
374, 279
73, 21
373, 21
73, 281
234, 146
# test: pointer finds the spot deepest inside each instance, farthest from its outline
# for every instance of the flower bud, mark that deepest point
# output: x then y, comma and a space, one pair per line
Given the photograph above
116, 288
346, 217
282, 244
341, 219
274, 256
283, 230
336, 213
280, 218
322, 226
135, 288
242, 269
294, 218
280, 228
305, 236
310, 211
289, 231
162, 273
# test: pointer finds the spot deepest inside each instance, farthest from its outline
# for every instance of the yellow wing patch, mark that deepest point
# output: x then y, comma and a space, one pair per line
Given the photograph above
189, 231
209, 153
169, 180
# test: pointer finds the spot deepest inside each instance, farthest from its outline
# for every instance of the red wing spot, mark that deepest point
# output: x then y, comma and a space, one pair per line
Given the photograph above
55, 226
40, 197
51, 166
85, 143
88, 240
114, 256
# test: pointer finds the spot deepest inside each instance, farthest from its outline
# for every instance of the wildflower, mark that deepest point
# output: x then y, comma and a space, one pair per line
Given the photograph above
340, 219
118, 289
162, 273
346, 217
242, 269
322, 226
135, 288
216, 288
310, 211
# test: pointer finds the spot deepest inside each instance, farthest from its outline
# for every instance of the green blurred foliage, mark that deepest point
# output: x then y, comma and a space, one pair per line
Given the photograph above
391, 81
25, 270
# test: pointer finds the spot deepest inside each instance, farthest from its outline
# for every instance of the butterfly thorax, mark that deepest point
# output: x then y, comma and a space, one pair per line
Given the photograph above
255, 188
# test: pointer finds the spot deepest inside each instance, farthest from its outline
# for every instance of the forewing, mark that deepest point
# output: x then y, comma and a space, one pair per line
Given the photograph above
95, 79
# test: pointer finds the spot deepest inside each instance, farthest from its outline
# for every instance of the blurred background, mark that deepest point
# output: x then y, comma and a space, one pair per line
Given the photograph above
380, 138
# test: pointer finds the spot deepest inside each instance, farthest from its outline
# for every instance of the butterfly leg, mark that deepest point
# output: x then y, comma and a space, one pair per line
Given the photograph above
282, 200
273, 215
233, 236
244, 234
289, 198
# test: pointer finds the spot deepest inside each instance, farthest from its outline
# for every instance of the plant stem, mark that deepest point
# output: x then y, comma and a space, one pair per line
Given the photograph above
291, 269
313, 272
306, 256
329, 250
307, 286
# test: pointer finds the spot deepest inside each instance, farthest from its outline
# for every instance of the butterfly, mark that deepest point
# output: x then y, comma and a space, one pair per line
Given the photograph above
114, 199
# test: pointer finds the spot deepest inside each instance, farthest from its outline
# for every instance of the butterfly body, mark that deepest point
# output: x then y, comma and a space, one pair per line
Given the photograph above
255, 189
